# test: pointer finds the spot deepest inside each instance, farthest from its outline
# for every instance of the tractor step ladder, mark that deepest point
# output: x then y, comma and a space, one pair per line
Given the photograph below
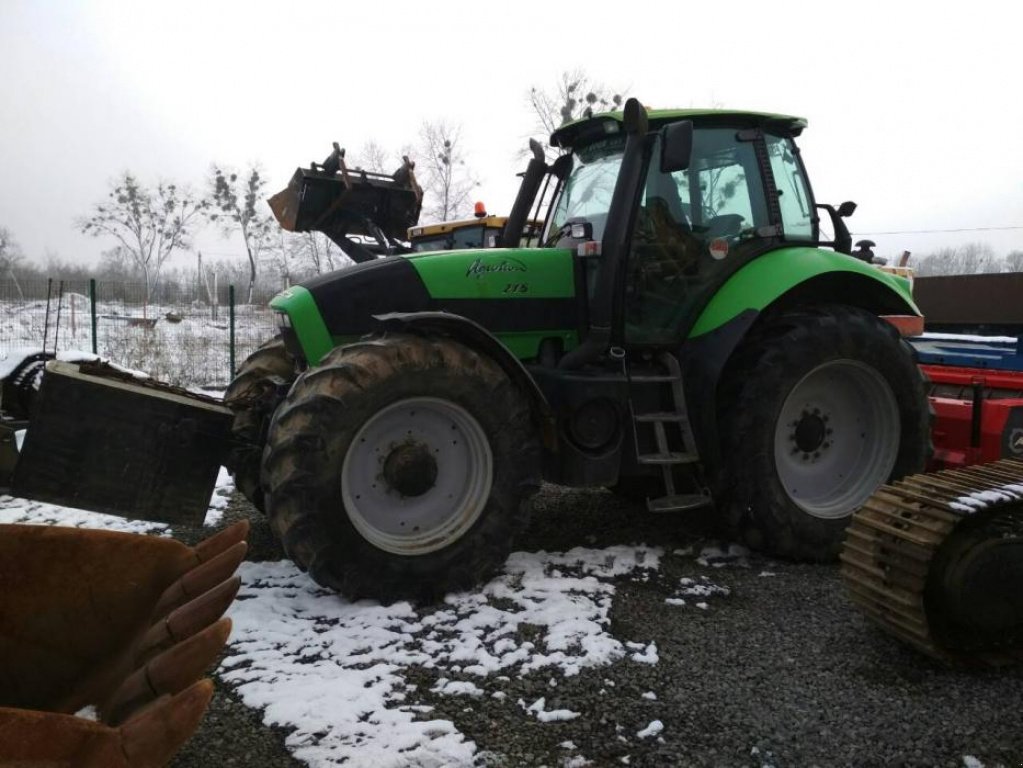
664, 457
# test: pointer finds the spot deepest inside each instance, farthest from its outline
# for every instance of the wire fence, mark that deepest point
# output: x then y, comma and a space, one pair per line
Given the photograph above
181, 334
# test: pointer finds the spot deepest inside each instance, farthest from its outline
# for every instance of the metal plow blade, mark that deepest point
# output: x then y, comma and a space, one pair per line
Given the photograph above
108, 442
123, 623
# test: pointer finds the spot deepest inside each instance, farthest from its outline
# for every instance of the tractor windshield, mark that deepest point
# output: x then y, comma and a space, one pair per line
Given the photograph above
588, 188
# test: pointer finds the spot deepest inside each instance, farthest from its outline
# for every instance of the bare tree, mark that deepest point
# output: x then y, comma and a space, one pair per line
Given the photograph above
10, 256
448, 180
319, 253
968, 259
236, 204
1014, 261
150, 224
573, 97
372, 158
117, 264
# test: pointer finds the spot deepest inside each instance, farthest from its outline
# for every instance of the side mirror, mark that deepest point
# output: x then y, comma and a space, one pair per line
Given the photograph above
676, 146
847, 209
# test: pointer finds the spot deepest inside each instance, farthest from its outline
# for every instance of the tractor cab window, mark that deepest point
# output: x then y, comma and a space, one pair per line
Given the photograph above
793, 194
587, 191
689, 224
457, 239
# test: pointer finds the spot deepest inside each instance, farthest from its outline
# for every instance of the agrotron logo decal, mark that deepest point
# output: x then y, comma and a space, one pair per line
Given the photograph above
480, 268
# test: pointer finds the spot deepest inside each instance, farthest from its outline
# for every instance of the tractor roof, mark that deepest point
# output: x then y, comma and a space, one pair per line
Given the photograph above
589, 129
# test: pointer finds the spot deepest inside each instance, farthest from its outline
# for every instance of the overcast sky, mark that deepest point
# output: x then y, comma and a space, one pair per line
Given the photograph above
914, 108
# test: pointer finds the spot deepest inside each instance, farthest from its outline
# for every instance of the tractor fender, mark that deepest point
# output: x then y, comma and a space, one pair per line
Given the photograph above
775, 281
799, 275
476, 337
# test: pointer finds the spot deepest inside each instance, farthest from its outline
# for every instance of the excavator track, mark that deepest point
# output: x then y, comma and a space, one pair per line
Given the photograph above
936, 560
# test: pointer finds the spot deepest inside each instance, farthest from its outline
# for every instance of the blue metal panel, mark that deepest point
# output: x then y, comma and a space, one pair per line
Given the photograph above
995, 353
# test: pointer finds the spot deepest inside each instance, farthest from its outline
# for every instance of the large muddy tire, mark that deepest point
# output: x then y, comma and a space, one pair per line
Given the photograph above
401, 467
818, 408
252, 395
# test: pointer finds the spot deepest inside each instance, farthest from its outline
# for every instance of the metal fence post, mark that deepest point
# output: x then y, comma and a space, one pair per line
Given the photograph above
230, 301
92, 312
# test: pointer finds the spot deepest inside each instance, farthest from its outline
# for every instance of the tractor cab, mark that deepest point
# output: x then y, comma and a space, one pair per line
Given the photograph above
703, 194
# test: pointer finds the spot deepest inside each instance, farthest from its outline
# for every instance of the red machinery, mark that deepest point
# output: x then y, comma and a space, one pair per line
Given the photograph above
976, 380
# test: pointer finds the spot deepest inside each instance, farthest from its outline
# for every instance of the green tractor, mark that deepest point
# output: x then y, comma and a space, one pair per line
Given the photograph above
682, 335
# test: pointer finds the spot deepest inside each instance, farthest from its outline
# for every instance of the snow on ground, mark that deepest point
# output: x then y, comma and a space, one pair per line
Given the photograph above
334, 670
221, 497
15, 510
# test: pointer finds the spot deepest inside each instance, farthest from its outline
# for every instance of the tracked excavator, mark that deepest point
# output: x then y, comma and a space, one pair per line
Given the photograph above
681, 333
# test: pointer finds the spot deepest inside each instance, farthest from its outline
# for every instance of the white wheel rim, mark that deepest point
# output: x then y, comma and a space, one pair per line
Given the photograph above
836, 438
419, 516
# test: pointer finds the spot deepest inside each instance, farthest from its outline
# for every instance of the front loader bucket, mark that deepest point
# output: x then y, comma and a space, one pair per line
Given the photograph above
341, 201
105, 441
123, 624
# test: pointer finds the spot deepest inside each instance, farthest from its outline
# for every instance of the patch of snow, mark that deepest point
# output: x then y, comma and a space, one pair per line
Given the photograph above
647, 656
702, 606
567, 745
13, 357
25, 512
220, 499
766, 573
576, 761
333, 670
978, 500
688, 587
650, 695
969, 761
539, 710
457, 688
88, 713
654, 728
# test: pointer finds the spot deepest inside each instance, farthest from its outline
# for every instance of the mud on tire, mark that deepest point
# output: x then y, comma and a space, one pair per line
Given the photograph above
818, 407
251, 396
348, 417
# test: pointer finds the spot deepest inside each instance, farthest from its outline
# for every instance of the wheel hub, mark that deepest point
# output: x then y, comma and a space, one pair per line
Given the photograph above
810, 434
410, 469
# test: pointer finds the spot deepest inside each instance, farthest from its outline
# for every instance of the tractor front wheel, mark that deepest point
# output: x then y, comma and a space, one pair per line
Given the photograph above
819, 408
401, 467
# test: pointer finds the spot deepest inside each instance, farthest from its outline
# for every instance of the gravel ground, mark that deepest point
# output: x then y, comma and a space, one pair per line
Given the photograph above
779, 672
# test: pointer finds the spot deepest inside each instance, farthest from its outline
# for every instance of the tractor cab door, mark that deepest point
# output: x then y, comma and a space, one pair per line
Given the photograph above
694, 228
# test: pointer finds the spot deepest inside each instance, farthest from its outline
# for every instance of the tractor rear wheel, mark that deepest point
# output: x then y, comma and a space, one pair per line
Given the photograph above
251, 395
401, 467
819, 407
